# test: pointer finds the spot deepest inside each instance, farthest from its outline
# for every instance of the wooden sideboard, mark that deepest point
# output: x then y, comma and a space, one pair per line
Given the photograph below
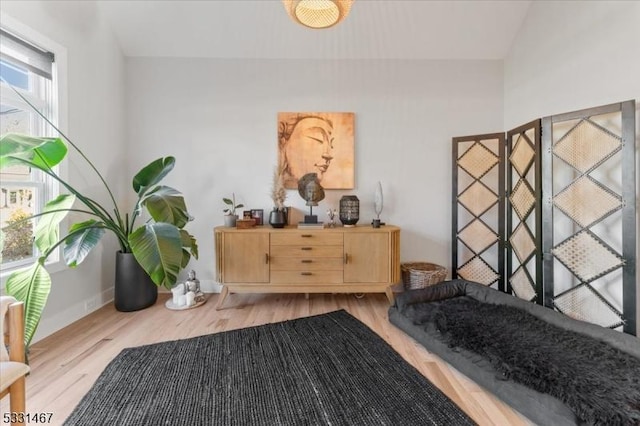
361, 259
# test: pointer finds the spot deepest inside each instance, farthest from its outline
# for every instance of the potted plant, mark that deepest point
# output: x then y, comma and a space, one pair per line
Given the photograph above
230, 215
151, 254
278, 217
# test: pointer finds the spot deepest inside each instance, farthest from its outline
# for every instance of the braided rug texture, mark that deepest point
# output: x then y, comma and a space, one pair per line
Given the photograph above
329, 369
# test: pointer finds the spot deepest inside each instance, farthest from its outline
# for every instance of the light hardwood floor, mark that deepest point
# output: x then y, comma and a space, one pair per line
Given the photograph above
65, 365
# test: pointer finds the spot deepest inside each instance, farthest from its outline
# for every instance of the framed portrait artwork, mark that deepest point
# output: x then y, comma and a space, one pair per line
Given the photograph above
316, 142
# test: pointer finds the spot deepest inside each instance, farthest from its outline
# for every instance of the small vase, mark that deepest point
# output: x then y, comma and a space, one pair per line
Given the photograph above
277, 219
230, 220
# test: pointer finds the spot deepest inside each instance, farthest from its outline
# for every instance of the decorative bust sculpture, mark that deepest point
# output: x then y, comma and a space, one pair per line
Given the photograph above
311, 191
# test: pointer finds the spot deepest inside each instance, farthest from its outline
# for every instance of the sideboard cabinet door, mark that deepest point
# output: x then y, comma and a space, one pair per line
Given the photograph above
366, 257
246, 257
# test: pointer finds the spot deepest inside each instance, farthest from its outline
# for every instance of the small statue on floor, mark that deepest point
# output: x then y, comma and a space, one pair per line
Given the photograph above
193, 285
187, 294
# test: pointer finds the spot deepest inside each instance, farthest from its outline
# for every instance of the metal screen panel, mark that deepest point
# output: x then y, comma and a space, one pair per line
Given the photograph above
524, 212
478, 209
589, 225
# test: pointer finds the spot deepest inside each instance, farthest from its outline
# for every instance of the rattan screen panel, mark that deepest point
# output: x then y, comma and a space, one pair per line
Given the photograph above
522, 243
590, 215
477, 236
479, 271
478, 209
522, 285
586, 201
522, 199
524, 228
584, 303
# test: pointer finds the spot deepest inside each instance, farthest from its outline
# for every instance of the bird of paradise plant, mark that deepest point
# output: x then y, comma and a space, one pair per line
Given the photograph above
161, 245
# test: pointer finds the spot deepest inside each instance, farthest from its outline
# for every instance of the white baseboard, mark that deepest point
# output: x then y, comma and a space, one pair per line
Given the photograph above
73, 313
79, 310
210, 286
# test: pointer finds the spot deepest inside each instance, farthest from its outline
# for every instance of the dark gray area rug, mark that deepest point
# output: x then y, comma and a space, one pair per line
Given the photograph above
328, 369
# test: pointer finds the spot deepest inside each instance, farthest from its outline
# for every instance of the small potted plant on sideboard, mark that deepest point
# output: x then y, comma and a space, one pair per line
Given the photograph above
230, 216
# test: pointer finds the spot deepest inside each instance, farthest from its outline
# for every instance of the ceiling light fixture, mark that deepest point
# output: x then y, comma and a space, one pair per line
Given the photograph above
318, 14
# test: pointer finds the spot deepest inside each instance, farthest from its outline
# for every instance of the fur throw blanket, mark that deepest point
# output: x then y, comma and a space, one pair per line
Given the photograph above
601, 384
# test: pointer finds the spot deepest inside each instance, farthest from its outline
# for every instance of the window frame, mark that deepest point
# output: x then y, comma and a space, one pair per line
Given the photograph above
58, 116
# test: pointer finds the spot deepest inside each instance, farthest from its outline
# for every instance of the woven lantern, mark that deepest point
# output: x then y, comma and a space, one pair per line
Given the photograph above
349, 210
318, 14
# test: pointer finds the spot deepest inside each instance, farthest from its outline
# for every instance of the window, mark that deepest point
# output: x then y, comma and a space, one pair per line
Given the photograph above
23, 191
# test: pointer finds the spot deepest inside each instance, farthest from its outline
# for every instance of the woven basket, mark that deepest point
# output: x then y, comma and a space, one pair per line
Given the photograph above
417, 275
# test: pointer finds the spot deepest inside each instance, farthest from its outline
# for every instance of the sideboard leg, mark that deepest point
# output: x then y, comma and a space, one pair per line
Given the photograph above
223, 296
389, 293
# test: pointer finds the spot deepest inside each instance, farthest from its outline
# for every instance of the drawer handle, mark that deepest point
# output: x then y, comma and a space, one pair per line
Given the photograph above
266, 258
306, 261
306, 273
346, 258
306, 235
305, 248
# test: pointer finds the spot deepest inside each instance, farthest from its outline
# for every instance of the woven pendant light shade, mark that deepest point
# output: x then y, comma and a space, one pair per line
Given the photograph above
318, 14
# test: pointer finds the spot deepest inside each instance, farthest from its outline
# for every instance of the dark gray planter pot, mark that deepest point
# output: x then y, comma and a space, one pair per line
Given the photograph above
134, 289
277, 219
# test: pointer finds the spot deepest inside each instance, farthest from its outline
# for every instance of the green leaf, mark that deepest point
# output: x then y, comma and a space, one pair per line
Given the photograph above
47, 228
158, 249
165, 204
31, 286
45, 153
227, 201
186, 257
189, 241
152, 174
83, 237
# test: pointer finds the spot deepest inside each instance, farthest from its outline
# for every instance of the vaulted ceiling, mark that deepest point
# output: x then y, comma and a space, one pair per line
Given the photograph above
378, 29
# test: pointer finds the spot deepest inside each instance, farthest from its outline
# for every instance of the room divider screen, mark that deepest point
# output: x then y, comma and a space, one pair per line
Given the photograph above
478, 209
524, 212
589, 230
562, 226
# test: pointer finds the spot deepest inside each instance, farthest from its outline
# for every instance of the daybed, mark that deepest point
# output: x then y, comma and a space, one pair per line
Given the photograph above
502, 342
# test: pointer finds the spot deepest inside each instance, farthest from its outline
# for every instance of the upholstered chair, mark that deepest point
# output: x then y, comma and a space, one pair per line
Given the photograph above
12, 363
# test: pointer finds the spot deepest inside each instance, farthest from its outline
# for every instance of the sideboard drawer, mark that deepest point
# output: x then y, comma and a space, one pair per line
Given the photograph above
307, 264
307, 238
307, 251
306, 277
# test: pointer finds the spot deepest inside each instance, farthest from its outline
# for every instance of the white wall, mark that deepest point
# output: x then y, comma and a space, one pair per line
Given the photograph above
573, 55
96, 122
218, 118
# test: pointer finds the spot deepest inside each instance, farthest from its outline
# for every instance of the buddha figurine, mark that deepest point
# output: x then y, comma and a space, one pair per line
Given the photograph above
192, 283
